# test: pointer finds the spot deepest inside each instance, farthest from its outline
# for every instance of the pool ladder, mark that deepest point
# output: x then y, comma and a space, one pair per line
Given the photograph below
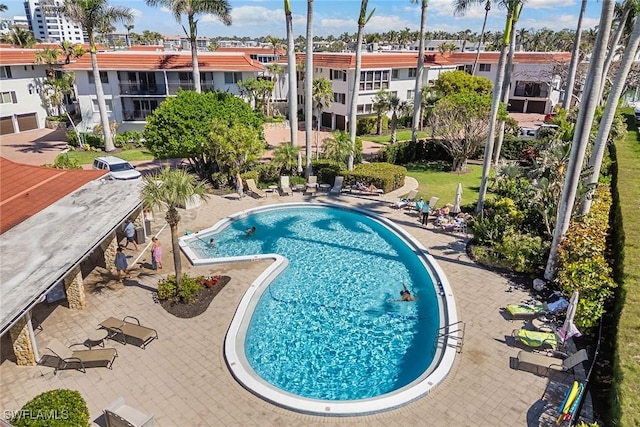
450, 331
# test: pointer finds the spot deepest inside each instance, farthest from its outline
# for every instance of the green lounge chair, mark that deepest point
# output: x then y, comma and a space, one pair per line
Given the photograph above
535, 339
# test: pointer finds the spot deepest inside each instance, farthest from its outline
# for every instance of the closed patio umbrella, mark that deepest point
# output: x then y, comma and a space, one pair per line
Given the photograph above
569, 329
299, 161
458, 200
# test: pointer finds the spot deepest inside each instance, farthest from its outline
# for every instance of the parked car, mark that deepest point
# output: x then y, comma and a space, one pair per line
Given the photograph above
118, 168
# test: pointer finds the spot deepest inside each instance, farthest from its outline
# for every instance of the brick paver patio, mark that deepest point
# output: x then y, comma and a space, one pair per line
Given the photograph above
182, 377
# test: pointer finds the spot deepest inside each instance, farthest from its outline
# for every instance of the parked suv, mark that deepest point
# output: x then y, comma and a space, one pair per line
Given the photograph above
118, 168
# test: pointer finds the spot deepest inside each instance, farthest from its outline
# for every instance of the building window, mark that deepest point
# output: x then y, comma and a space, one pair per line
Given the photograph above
411, 94
95, 105
532, 89
485, 67
340, 98
364, 108
338, 75
104, 77
394, 73
374, 80
412, 72
5, 72
230, 78
8, 98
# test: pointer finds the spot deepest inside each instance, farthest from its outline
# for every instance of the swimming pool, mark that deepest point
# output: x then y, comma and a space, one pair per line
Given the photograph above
318, 332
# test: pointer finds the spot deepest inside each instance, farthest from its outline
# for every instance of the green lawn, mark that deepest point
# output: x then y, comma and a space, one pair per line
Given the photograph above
401, 135
86, 157
626, 385
436, 180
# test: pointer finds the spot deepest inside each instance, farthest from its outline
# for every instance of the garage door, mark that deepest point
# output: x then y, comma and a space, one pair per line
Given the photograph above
6, 126
536, 107
27, 121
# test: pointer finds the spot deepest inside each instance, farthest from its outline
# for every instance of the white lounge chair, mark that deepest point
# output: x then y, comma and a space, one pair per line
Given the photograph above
285, 187
406, 201
312, 185
337, 185
254, 190
119, 414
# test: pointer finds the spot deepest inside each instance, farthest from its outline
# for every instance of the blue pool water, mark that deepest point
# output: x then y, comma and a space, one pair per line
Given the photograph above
325, 328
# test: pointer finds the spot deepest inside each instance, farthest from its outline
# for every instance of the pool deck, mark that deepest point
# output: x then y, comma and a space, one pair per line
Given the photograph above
182, 377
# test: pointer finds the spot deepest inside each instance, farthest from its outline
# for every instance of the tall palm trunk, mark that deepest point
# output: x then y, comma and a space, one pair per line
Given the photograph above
575, 56
308, 88
293, 78
487, 8
417, 97
581, 136
194, 54
614, 44
595, 162
353, 107
102, 104
505, 89
173, 218
495, 105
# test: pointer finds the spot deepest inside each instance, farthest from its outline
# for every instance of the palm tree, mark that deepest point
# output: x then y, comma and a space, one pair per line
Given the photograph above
3, 7
322, 97
595, 161
56, 89
581, 135
308, 87
92, 15
276, 70
275, 44
397, 107
48, 56
293, 79
69, 49
460, 7
170, 189
575, 56
353, 106
286, 157
513, 10
337, 147
380, 106
19, 37
219, 8
417, 93
129, 27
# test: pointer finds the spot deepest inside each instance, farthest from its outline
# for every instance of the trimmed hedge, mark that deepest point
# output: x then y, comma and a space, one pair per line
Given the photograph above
407, 152
385, 176
54, 408
369, 125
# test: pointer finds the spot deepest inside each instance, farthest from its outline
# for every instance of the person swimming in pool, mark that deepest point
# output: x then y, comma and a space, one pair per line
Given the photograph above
405, 295
250, 231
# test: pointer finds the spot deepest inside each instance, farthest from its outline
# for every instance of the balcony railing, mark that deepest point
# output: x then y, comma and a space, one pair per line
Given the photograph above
136, 115
141, 89
188, 85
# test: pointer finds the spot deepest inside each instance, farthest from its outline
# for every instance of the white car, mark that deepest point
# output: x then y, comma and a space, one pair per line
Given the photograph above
118, 168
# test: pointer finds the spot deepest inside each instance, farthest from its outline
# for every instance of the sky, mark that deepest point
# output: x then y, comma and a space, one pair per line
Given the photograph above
255, 18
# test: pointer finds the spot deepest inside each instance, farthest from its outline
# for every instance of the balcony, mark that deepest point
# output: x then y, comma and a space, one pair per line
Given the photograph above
136, 115
532, 91
188, 85
133, 89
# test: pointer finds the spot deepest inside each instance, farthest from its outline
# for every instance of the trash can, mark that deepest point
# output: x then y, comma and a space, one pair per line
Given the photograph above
147, 227
140, 235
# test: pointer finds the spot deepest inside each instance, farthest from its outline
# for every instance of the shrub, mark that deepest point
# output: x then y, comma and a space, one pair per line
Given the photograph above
523, 253
268, 172
54, 408
500, 216
406, 152
167, 288
249, 175
63, 161
385, 176
72, 139
189, 289
325, 170
57, 118
129, 137
369, 125
582, 264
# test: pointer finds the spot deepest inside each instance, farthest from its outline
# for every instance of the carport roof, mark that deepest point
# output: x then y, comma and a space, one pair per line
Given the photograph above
41, 250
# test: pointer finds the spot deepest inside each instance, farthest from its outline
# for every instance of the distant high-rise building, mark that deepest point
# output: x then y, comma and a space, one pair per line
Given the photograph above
51, 26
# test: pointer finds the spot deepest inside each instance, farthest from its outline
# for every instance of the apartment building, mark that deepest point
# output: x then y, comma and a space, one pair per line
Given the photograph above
136, 82
393, 71
21, 91
50, 26
535, 79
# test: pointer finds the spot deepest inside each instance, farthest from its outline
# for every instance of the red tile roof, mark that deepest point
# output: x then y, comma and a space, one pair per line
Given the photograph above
13, 55
374, 60
251, 50
208, 61
519, 57
147, 48
26, 190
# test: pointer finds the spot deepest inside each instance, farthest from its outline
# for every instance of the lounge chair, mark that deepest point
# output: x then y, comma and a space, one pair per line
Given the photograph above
254, 190
554, 305
128, 331
543, 365
119, 414
432, 205
312, 185
406, 201
84, 358
535, 339
337, 185
360, 188
285, 187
